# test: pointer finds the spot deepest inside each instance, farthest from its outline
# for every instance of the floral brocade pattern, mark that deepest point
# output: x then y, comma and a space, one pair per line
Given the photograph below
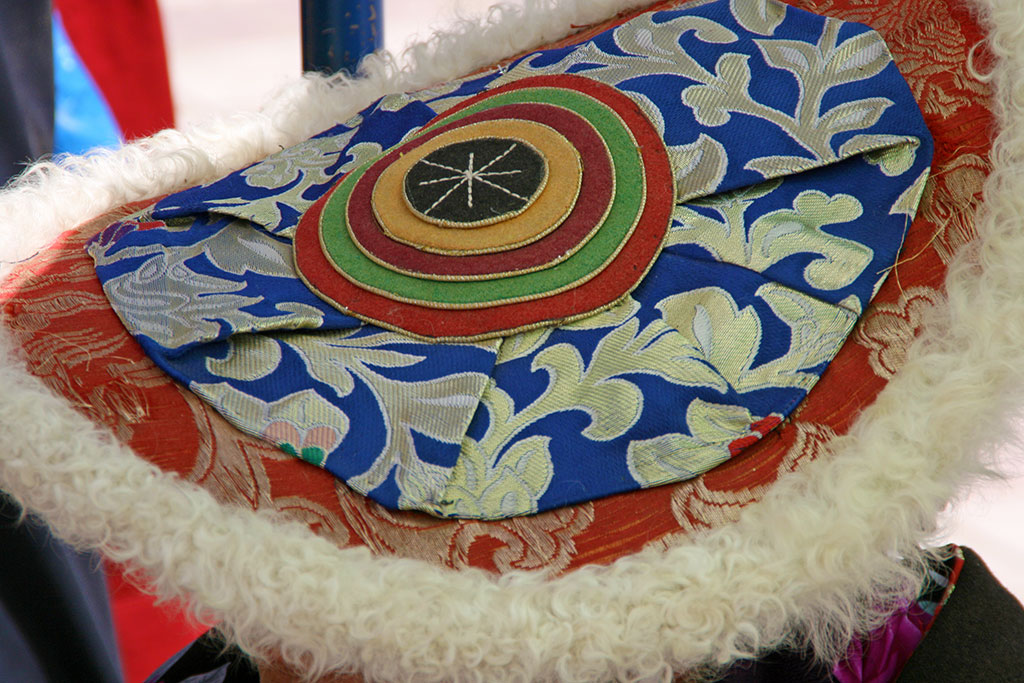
746, 180
56, 310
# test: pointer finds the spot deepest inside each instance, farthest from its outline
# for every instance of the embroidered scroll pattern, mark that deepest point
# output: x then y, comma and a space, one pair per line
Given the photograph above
768, 263
54, 308
724, 90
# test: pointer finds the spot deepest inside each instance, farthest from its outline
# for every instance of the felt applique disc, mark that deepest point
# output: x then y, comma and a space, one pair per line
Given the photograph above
505, 174
600, 257
541, 210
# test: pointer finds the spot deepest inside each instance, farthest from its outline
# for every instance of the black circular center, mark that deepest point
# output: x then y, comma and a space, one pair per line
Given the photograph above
475, 182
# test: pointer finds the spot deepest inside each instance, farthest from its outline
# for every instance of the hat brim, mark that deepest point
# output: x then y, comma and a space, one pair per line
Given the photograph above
824, 553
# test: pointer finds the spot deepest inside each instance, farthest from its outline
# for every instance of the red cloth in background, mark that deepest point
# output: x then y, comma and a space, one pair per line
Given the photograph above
121, 43
148, 634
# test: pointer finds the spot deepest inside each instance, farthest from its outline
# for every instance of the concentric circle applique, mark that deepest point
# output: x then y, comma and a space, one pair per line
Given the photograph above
496, 252
539, 202
546, 208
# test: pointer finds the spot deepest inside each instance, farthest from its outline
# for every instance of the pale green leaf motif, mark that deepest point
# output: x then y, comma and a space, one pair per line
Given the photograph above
818, 68
657, 43
510, 486
907, 202
394, 102
717, 96
780, 165
659, 350
614, 405
758, 16
286, 166
439, 408
726, 337
361, 154
778, 234
610, 317
523, 344
854, 305
290, 174
700, 167
825, 64
725, 92
599, 388
893, 161
725, 237
642, 36
817, 331
744, 194
334, 357
649, 40
854, 115
785, 232
729, 338
800, 58
893, 154
238, 249
863, 56
249, 357
159, 299
712, 423
676, 457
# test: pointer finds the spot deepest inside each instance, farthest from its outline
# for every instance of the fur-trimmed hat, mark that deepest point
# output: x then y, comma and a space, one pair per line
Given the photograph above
664, 356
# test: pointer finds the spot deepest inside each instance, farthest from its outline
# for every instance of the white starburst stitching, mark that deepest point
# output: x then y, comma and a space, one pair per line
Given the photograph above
468, 176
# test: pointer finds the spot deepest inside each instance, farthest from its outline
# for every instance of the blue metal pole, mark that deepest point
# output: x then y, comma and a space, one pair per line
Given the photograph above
336, 34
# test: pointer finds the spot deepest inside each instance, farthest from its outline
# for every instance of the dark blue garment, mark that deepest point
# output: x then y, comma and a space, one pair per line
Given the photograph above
26, 81
208, 659
55, 622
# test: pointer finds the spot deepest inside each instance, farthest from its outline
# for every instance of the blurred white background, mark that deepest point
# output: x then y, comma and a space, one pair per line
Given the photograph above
231, 55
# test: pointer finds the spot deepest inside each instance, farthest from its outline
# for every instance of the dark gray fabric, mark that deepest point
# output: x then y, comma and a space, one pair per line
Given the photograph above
208, 659
18, 661
55, 622
473, 181
26, 84
55, 617
978, 635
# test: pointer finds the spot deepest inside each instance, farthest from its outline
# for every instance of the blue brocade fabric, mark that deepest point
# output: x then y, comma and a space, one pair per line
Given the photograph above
800, 156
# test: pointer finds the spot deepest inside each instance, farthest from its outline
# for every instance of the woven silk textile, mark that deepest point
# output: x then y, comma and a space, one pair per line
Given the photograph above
788, 548
55, 308
718, 192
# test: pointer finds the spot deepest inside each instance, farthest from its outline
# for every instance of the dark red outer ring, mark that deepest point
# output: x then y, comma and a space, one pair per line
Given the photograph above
595, 196
604, 289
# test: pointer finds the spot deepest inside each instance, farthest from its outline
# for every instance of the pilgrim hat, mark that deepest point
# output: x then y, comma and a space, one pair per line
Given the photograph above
648, 350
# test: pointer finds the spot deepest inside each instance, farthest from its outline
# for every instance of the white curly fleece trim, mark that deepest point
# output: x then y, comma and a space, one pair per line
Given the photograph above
814, 561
